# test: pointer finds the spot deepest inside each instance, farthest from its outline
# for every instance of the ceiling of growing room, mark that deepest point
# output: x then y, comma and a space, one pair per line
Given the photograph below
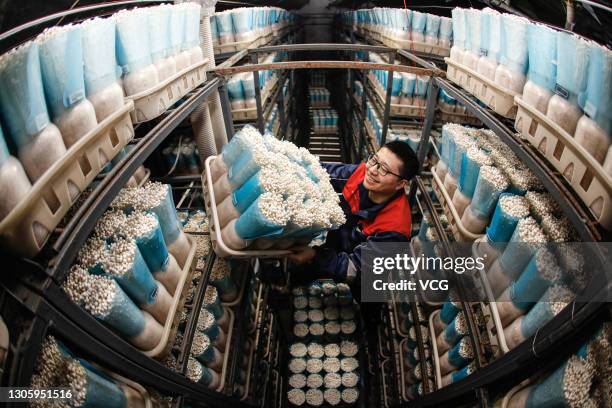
590, 21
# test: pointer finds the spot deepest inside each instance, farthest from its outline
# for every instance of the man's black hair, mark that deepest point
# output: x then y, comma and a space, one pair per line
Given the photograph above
410, 162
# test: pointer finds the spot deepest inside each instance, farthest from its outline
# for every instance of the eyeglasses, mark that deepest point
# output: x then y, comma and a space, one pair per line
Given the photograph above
382, 168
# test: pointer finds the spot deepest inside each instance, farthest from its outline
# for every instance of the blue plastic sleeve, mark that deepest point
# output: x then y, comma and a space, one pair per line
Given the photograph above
469, 175
138, 281
550, 392
529, 287
253, 224
124, 316
454, 358
242, 169
516, 256
596, 101
418, 22
101, 392
460, 374
4, 151
448, 312
166, 213
22, 100
99, 61
484, 199
246, 195
538, 316
542, 49
502, 225
450, 333
153, 249
132, 42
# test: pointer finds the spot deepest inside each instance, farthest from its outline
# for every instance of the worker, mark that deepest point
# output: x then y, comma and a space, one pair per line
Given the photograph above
376, 208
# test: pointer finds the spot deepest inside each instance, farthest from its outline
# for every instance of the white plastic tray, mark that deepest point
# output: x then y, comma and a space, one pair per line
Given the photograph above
220, 248
172, 321
410, 45
457, 227
586, 176
456, 117
49, 199
499, 99
153, 102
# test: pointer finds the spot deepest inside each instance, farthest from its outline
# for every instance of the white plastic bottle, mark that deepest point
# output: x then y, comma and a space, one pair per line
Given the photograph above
22, 103
193, 33
542, 48
14, 183
159, 40
100, 67
490, 39
472, 54
459, 32
563, 107
594, 129
510, 72
61, 60
134, 53
418, 26
179, 35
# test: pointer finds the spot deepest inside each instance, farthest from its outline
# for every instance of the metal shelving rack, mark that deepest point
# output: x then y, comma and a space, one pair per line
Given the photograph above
572, 325
39, 292
38, 286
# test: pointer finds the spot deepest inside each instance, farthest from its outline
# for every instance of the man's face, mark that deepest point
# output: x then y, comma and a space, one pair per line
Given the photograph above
388, 163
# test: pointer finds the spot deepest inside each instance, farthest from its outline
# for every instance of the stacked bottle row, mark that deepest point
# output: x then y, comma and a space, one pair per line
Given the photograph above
404, 25
59, 86
81, 382
411, 358
273, 121
271, 193
323, 362
372, 116
324, 120
246, 24
560, 74
209, 345
406, 89
477, 168
318, 97
128, 271
241, 87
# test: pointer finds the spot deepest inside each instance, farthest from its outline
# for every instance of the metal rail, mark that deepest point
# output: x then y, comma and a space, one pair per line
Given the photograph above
320, 65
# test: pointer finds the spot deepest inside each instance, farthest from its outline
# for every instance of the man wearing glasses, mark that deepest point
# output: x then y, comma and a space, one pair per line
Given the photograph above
376, 208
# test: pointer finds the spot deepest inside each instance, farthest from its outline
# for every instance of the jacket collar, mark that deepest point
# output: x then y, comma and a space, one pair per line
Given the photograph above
370, 213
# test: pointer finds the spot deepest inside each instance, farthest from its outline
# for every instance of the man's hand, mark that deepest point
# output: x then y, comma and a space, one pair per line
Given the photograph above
302, 255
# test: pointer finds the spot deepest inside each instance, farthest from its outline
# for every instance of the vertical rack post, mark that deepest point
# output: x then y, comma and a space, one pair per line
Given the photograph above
260, 124
227, 110
362, 139
280, 103
385, 128
430, 106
